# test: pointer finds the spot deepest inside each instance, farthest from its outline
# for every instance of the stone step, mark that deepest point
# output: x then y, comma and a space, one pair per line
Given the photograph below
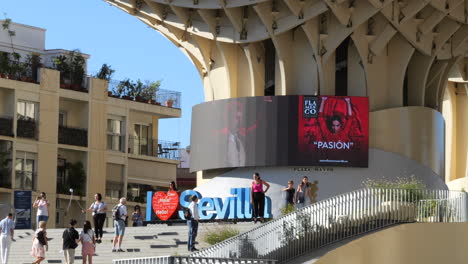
158, 240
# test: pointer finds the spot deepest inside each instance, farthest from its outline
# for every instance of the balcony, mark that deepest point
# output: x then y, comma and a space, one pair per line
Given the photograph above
73, 136
154, 148
14, 68
26, 128
157, 96
6, 126
25, 180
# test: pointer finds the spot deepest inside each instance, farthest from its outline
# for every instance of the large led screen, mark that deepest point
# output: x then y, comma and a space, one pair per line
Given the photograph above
280, 131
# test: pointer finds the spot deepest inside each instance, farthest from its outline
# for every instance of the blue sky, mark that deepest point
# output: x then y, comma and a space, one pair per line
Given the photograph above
114, 37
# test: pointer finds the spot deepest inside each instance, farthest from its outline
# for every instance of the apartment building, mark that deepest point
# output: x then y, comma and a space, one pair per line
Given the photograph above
55, 137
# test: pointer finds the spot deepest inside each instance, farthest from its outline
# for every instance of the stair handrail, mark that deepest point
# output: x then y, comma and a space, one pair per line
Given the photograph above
340, 217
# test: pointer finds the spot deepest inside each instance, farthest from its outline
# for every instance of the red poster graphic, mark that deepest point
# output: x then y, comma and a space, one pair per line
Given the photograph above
165, 204
333, 130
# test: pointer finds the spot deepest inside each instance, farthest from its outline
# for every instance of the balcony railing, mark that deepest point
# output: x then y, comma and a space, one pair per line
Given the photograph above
26, 128
25, 71
161, 97
116, 142
73, 136
66, 82
6, 126
25, 180
154, 147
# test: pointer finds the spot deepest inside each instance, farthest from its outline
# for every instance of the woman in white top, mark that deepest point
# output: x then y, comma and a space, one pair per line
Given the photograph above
88, 243
42, 205
99, 209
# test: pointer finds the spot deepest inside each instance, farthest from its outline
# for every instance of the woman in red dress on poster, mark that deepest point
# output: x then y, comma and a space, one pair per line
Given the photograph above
336, 131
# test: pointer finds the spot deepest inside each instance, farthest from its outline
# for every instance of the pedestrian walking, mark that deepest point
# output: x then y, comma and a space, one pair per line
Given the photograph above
257, 197
119, 214
99, 208
70, 239
192, 223
42, 205
40, 244
7, 231
88, 243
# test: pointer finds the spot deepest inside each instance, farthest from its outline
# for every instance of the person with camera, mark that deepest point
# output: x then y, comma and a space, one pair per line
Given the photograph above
42, 205
99, 208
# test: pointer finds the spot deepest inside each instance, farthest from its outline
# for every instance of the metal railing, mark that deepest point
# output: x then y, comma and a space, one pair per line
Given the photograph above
191, 260
26, 128
6, 126
73, 136
161, 97
154, 147
340, 217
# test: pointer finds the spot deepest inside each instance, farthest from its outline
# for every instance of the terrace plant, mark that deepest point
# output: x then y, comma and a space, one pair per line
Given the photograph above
105, 73
412, 186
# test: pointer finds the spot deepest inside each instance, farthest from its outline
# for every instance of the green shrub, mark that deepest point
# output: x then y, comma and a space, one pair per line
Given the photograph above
219, 234
413, 186
287, 209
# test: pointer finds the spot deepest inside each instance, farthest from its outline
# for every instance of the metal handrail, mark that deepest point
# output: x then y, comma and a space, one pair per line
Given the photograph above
338, 218
187, 259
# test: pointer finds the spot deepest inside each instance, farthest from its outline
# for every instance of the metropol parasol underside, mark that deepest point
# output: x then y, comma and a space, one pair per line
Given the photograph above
407, 57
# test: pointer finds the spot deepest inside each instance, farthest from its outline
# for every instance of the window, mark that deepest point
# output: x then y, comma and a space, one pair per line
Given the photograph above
25, 171
114, 189
26, 110
62, 119
141, 140
114, 135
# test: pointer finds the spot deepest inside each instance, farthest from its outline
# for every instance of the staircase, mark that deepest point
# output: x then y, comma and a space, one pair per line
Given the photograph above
159, 240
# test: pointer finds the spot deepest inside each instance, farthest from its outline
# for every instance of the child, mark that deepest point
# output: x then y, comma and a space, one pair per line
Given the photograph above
88, 242
39, 243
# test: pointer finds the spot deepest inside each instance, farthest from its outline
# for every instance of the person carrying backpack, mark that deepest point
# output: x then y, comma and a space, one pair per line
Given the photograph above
119, 214
70, 239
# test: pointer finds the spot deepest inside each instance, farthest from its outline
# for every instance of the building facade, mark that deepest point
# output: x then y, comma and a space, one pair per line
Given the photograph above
55, 137
399, 54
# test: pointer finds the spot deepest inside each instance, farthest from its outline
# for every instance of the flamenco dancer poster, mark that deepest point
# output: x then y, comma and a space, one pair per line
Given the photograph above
333, 131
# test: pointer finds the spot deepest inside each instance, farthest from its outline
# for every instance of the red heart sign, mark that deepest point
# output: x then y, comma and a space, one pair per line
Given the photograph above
165, 204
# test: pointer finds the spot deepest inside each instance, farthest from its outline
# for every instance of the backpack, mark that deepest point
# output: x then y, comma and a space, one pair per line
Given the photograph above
187, 213
116, 213
41, 238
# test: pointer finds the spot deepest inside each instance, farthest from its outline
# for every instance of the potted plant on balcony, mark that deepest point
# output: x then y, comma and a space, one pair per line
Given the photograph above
33, 61
77, 72
149, 91
4, 64
169, 102
105, 73
60, 63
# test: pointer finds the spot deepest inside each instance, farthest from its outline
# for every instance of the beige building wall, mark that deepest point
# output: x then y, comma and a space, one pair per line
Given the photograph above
84, 110
429, 243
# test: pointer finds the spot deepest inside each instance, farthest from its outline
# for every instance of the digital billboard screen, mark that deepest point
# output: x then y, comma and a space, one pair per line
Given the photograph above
280, 131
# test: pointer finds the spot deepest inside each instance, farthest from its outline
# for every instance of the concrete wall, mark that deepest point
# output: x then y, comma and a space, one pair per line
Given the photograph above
331, 181
430, 243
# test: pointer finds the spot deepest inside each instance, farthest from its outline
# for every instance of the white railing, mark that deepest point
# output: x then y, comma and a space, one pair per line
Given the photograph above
338, 218
191, 260
327, 222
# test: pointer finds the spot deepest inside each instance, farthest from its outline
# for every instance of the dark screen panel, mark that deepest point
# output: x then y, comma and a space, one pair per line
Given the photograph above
280, 131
